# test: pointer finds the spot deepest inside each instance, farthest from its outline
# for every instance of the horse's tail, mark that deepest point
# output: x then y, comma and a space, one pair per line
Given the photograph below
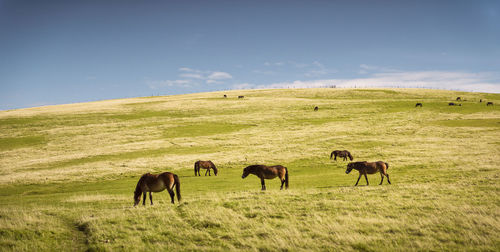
331, 155
177, 187
386, 165
196, 166
350, 156
286, 178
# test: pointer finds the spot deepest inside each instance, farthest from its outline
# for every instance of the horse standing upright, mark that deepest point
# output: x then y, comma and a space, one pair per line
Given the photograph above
157, 183
369, 168
343, 154
267, 172
205, 165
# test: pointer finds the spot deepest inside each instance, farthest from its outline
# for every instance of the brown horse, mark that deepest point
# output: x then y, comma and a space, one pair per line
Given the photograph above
369, 168
267, 172
418, 105
157, 183
241, 96
343, 154
205, 165
489, 103
459, 98
316, 108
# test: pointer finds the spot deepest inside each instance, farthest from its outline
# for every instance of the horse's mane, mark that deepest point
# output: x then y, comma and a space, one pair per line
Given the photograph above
141, 180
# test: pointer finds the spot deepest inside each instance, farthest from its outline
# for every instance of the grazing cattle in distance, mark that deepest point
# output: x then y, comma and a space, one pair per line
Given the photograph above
267, 172
369, 168
343, 154
459, 98
205, 165
241, 97
418, 105
454, 104
489, 103
316, 108
157, 183
225, 96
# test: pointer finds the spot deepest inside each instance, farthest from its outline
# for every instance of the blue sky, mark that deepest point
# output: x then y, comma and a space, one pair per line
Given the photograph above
54, 52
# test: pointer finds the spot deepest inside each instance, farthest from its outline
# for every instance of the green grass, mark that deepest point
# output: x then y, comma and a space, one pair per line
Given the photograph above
68, 172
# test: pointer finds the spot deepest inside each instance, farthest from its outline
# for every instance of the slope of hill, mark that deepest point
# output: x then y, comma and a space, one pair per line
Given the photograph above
68, 172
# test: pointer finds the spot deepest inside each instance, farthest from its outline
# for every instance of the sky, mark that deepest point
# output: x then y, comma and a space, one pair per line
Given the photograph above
57, 52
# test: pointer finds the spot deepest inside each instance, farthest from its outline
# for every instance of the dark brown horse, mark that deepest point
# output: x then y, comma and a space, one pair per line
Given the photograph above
205, 165
343, 154
459, 98
369, 168
418, 105
489, 103
157, 183
267, 172
241, 96
225, 96
316, 108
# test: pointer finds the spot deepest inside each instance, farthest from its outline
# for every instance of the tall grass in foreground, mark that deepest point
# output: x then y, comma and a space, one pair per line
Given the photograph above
68, 172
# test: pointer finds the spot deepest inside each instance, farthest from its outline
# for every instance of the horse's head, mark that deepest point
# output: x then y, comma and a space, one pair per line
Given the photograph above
350, 166
215, 170
246, 171
137, 197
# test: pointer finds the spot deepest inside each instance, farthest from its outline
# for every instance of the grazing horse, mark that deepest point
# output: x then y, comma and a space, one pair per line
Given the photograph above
369, 168
267, 172
205, 165
241, 97
454, 104
489, 103
343, 154
480, 100
157, 183
225, 96
316, 108
418, 105
459, 98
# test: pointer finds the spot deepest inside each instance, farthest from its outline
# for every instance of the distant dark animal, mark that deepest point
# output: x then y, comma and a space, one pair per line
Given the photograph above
369, 168
225, 96
157, 183
316, 108
418, 105
267, 172
480, 100
205, 165
241, 97
459, 98
489, 103
454, 104
343, 154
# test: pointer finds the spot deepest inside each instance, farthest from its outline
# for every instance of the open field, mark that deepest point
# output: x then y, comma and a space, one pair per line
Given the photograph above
67, 172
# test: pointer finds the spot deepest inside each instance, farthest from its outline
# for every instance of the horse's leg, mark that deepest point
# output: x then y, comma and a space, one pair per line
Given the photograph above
382, 176
263, 184
335, 157
172, 194
151, 198
144, 198
358, 179
206, 172
366, 179
209, 172
282, 182
387, 174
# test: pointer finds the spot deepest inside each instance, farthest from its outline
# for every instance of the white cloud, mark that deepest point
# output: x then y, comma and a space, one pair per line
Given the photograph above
219, 76
170, 83
191, 75
477, 82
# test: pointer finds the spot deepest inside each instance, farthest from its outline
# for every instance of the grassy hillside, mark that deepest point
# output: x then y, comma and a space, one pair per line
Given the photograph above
67, 172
